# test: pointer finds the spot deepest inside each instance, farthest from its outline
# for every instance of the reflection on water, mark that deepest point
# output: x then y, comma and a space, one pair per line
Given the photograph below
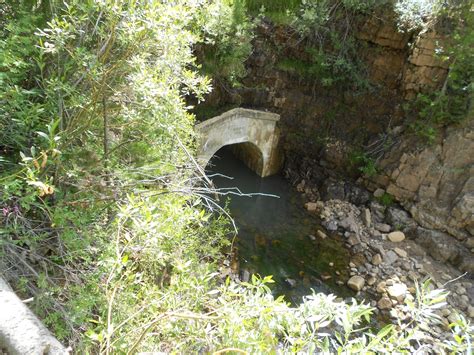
277, 236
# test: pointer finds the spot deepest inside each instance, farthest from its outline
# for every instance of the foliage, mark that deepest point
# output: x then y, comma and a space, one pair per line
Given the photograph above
332, 57
364, 163
414, 14
452, 104
386, 199
93, 108
279, 11
254, 6
21, 110
228, 35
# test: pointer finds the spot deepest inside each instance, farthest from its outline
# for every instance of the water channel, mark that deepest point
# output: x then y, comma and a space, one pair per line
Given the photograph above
277, 236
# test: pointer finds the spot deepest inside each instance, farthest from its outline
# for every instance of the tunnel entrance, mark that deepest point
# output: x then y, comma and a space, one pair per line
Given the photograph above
254, 133
246, 152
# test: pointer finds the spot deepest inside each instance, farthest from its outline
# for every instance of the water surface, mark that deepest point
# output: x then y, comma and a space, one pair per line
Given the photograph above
277, 236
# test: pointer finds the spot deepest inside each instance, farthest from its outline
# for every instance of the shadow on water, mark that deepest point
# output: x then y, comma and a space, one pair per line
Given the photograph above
277, 236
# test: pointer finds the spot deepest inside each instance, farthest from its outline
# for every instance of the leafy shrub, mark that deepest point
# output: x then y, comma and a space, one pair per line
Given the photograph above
228, 35
364, 163
386, 199
452, 104
414, 14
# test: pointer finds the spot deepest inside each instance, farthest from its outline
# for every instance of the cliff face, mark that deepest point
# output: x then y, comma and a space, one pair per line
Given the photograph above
323, 125
435, 183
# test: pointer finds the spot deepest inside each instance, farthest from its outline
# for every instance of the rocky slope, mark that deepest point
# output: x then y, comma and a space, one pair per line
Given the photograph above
387, 264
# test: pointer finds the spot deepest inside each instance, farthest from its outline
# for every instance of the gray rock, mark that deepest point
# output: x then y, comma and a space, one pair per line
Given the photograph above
356, 195
331, 226
390, 257
445, 312
469, 243
438, 244
375, 233
371, 280
245, 276
349, 223
367, 218
382, 227
398, 218
465, 262
353, 240
333, 190
379, 192
378, 212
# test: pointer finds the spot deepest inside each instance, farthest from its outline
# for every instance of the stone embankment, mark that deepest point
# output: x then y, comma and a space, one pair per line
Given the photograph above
390, 253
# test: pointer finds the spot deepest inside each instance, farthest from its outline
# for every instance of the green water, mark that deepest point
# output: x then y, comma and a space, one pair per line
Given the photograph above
277, 236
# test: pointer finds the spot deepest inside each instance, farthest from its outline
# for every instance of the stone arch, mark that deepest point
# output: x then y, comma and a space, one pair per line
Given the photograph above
242, 126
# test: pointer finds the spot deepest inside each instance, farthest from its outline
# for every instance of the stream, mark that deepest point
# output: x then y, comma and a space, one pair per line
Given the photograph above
277, 236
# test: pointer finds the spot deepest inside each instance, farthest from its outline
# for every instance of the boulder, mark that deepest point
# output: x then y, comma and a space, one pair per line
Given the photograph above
367, 218
378, 212
379, 193
397, 291
311, 206
321, 234
356, 283
384, 303
390, 257
396, 236
439, 245
382, 227
349, 223
400, 252
377, 259
333, 190
398, 218
356, 195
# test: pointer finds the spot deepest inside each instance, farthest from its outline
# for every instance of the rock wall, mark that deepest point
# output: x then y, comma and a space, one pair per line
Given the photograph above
328, 122
435, 183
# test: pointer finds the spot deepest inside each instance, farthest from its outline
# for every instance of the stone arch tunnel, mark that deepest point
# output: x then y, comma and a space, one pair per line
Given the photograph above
253, 134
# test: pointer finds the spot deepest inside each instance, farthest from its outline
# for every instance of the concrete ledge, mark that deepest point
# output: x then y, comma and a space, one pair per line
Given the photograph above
21, 332
242, 112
